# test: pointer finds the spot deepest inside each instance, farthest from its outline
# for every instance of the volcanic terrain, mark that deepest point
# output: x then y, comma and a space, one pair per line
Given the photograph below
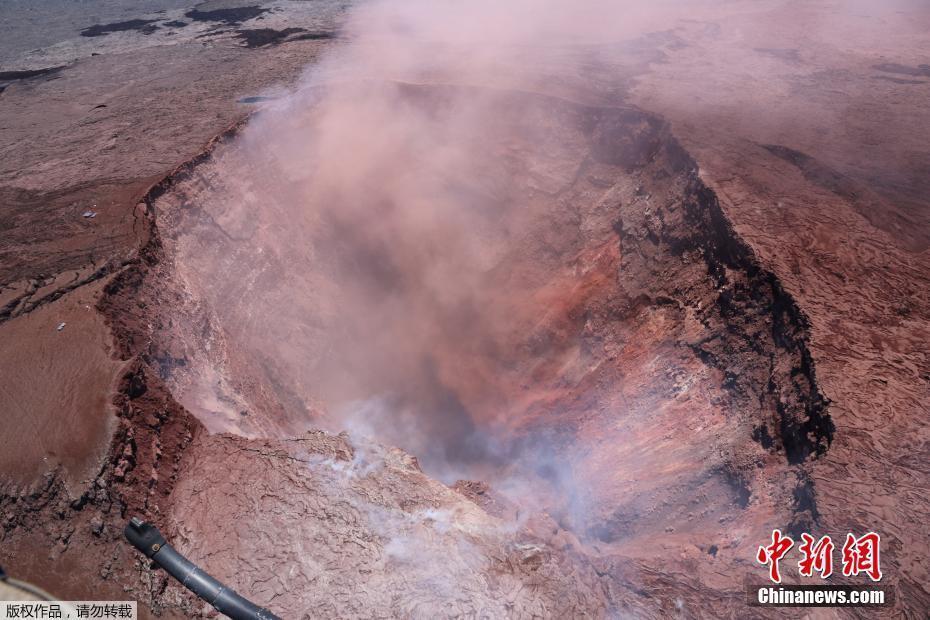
395, 338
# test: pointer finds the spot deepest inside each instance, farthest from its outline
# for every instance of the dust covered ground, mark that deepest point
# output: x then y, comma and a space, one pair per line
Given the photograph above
671, 293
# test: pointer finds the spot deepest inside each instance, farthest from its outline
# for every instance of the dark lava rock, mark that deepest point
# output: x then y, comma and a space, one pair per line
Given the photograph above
145, 26
231, 17
263, 37
30, 73
892, 67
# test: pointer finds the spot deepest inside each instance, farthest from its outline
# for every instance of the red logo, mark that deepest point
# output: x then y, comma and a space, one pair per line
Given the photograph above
817, 557
860, 555
773, 553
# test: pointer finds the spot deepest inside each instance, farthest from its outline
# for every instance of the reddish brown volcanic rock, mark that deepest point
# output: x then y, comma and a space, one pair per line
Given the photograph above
829, 189
360, 530
667, 294
637, 374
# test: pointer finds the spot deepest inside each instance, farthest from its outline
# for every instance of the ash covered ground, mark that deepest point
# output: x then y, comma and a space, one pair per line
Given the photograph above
408, 309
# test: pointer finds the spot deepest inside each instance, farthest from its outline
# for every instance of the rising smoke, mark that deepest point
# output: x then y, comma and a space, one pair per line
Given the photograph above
398, 249
389, 250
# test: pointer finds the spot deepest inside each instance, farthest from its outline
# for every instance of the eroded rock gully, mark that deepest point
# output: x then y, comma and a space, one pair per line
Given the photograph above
643, 380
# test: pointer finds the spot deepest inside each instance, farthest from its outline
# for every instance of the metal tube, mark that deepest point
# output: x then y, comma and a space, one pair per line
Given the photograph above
146, 538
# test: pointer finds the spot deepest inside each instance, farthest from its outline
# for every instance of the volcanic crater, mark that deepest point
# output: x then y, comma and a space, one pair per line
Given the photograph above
574, 322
